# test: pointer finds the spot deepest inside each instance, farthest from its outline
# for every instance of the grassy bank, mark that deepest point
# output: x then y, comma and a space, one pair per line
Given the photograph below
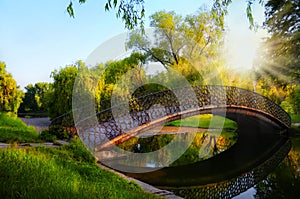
205, 121
13, 129
69, 171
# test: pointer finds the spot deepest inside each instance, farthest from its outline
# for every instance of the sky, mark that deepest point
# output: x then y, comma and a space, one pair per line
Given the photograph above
37, 37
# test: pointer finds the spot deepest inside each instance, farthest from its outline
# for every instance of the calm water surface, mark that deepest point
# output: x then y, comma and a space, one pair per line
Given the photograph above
282, 181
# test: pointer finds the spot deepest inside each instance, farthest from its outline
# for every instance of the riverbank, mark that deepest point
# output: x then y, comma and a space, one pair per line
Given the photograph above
35, 170
68, 171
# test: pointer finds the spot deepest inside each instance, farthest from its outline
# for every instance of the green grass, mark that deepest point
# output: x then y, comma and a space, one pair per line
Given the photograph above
13, 129
295, 118
204, 121
67, 172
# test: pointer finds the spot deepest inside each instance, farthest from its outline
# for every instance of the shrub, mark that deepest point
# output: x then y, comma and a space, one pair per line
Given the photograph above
47, 136
59, 132
287, 106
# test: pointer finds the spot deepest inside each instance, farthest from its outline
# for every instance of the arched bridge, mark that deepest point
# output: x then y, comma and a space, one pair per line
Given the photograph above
119, 122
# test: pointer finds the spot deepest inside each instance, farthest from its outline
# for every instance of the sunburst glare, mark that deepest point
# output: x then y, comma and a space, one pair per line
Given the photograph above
241, 48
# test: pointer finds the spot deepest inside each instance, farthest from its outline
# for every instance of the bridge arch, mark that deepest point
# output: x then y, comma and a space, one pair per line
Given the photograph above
227, 101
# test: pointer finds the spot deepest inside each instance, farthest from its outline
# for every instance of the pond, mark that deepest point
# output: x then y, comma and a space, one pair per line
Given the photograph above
253, 161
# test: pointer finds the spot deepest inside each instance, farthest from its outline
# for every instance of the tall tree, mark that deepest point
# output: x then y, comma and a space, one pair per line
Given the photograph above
10, 95
188, 44
282, 53
279, 64
60, 100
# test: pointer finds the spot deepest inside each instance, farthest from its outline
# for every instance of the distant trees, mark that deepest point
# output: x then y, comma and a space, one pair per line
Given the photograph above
36, 98
10, 95
89, 84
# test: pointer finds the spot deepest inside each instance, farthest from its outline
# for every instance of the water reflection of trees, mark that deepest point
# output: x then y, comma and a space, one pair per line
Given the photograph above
210, 142
284, 181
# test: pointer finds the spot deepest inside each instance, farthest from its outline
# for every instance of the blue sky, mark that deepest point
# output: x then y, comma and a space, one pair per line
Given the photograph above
38, 37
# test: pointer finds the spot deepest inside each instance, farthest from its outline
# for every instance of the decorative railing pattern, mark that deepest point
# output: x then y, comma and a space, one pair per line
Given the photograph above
125, 117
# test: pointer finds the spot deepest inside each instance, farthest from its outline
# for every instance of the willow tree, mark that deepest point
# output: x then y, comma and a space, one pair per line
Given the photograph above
132, 12
190, 44
60, 100
10, 95
120, 75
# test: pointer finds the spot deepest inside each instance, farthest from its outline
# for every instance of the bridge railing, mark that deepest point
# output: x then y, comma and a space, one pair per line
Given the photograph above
249, 99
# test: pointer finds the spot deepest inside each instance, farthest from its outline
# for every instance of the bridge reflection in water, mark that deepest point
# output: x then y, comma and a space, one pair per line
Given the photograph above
257, 152
262, 138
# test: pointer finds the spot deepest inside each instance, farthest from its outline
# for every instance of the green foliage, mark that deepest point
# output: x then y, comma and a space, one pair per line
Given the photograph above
60, 98
206, 29
295, 99
10, 95
47, 136
74, 151
36, 98
90, 86
114, 70
133, 12
13, 129
295, 118
282, 17
287, 95
195, 56
59, 132
287, 107
281, 50
79, 152
56, 173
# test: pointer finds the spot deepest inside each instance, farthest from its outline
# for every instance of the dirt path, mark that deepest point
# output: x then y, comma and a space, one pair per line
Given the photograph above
39, 123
